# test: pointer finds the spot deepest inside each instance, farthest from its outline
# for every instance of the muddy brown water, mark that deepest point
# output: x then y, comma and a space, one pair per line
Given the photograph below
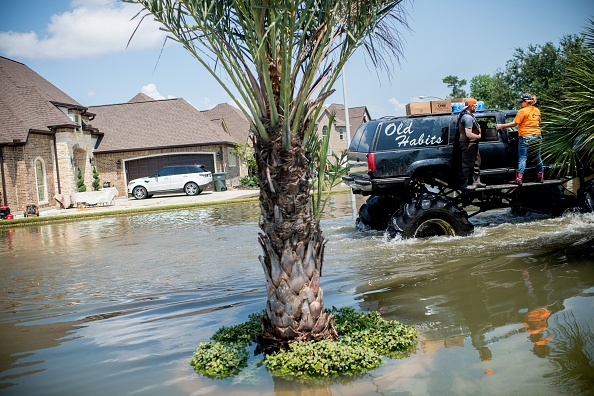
116, 306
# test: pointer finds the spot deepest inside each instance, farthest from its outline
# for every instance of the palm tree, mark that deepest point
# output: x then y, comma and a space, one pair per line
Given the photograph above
569, 125
281, 59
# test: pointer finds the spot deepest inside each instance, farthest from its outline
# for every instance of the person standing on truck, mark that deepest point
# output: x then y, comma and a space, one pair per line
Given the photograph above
469, 135
530, 139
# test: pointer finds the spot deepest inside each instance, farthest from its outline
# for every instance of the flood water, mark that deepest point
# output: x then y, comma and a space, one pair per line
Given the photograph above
116, 306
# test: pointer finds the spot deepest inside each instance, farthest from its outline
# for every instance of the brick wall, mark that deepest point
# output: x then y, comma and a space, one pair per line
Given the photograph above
19, 172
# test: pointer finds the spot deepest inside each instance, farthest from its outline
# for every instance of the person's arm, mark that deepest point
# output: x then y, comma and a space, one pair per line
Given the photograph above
508, 125
471, 135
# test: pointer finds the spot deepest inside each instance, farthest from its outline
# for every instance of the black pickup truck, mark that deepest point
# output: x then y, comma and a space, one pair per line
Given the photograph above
408, 166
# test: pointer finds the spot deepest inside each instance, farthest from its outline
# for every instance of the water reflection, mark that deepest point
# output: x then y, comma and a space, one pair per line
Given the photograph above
117, 305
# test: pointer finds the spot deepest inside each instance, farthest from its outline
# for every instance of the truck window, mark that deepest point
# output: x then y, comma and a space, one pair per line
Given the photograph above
413, 132
362, 138
488, 131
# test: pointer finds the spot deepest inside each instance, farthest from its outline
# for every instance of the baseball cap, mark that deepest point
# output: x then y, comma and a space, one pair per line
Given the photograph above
525, 96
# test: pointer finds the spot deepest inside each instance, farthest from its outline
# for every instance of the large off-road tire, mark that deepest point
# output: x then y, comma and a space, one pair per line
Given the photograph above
430, 215
376, 212
547, 199
586, 196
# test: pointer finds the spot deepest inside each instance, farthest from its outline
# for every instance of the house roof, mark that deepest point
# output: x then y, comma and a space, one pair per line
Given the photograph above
140, 98
28, 103
233, 121
156, 124
356, 115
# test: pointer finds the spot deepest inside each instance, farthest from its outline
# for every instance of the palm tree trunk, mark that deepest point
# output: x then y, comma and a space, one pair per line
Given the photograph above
293, 246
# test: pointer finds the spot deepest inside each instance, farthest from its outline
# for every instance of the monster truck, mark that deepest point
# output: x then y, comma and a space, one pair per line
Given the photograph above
407, 166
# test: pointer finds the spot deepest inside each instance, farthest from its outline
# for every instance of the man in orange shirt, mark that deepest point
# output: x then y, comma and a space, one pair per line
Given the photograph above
530, 139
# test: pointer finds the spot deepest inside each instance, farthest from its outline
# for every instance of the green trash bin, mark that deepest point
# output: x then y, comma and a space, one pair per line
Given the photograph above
219, 180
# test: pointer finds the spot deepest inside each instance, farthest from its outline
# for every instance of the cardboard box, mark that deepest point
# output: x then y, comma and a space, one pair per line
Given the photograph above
418, 108
454, 100
441, 106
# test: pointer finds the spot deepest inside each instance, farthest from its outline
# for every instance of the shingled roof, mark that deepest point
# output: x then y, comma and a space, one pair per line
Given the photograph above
233, 119
140, 98
156, 124
356, 115
28, 103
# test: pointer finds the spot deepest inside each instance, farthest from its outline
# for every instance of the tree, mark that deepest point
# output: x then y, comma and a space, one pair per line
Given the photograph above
80, 183
480, 88
538, 69
282, 58
455, 84
95, 179
569, 122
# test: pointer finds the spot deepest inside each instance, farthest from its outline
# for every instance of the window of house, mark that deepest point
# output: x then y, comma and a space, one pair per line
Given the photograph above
75, 118
232, 157
40, 180
341, 133
324, 131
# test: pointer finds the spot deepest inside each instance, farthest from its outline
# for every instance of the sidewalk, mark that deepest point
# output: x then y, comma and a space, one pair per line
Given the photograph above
125, 203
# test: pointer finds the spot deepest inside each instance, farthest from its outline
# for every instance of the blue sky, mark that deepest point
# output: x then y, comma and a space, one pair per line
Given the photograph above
80, 46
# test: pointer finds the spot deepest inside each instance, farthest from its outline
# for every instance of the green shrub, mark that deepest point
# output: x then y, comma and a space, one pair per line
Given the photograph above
218, 360
363, 339
80, 183
249, 181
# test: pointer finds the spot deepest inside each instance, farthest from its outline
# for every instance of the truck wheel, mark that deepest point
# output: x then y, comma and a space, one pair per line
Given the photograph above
586, 196
431, 215
376, 212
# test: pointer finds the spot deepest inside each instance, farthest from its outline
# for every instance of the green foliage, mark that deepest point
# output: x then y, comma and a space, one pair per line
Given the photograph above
538, 69
306, 360
218, 360
242, 333
569, 123
250, 181
80, 183
389, 338
326, 170
455, 84
364, 338
95, 179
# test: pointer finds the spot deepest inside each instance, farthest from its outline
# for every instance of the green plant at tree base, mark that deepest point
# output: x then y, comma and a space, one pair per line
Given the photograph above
363, 340
95, 179
80, 184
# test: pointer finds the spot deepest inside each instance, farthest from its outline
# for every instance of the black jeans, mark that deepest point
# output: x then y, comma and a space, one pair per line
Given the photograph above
470, 162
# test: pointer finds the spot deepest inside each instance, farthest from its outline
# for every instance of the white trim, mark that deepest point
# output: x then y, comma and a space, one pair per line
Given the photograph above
44, 179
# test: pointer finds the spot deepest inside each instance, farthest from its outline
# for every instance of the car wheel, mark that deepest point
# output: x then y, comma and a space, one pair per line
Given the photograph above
376, 212
430, 215
192, 189
139, 192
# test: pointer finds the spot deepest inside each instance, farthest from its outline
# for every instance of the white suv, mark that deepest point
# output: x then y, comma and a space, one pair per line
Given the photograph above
191, 179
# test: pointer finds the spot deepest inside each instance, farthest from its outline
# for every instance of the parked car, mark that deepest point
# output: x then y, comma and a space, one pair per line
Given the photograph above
190, 179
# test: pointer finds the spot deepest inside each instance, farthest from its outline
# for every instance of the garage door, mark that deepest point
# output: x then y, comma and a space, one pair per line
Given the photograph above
149, 166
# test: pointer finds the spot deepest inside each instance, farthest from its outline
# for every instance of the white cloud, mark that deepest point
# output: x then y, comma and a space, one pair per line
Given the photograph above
151, 90
399, 108
91, 28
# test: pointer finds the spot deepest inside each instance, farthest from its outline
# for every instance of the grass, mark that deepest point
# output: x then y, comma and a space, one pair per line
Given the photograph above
84, 216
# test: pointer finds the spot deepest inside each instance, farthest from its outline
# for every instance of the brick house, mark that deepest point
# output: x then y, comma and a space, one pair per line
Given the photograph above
143, 135
46, 137
338, 138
